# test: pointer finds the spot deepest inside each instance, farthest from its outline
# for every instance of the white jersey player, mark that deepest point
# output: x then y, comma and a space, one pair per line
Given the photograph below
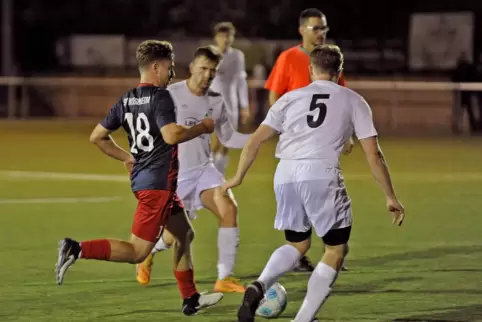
199, 181
314, 122
230, 82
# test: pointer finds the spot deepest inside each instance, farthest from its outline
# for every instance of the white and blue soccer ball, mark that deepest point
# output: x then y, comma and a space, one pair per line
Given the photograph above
273, 303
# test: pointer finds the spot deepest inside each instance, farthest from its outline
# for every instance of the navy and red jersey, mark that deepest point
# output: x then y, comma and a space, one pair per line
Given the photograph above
142, 112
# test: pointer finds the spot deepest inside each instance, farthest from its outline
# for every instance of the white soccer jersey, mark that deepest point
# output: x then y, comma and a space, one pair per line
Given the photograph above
190, 110
315, 121
230, 80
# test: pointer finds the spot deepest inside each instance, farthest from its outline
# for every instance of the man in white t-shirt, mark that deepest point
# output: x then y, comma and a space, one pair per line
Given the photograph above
199, 182
231, 83
314, 122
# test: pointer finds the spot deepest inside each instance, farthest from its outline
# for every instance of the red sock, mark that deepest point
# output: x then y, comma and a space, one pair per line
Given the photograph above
185, 283
95, 249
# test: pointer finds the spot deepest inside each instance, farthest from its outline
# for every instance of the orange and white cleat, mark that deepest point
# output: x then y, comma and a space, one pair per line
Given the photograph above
143, 270
229, 285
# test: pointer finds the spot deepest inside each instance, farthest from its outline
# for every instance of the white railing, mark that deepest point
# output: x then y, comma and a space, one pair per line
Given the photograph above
396, 103
128, 81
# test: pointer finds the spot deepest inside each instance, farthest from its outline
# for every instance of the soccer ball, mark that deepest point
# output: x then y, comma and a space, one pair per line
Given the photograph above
273, 303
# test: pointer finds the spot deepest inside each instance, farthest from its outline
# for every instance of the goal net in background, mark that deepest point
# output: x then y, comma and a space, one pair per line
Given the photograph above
398, 106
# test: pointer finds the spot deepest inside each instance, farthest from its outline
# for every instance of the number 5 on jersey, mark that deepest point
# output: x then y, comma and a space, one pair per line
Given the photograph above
140, 133
321, 107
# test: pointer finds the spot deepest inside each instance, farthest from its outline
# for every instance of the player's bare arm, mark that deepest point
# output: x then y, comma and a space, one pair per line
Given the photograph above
273, 97
379, 168
227, 134
244, 112
249, 153
348, 146
101, 137
174, 133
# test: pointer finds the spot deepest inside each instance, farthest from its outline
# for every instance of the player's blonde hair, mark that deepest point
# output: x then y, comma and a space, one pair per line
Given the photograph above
327, 58
151, 50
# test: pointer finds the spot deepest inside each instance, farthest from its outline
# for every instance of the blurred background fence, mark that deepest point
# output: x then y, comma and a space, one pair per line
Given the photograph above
418, 63
402, 107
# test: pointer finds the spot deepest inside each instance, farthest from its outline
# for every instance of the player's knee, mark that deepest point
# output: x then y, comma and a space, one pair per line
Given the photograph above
140, 249
346, 249
229, 219
334, 255
140, 255
227, 208
338, 250
186, 236
300, 240
336, 247
190, 234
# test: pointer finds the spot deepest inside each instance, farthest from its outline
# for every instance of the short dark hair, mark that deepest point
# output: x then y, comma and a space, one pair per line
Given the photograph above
150, 50
225, 26
310, 13
327, 58
209, 52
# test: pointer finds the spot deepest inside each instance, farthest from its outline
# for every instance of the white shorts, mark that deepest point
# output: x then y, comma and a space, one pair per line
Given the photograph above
310, 195
191, 184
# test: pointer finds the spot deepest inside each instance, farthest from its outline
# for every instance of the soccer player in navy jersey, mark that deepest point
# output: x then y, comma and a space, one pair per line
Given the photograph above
147, 114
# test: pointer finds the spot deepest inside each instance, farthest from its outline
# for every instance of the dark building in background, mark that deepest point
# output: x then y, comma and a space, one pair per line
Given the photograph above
362, 27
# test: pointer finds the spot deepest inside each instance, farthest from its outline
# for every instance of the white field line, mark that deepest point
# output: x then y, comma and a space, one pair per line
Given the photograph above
30, 175
398, 176
57, 200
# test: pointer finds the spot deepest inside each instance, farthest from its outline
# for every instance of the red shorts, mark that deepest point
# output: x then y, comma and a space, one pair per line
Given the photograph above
153, 209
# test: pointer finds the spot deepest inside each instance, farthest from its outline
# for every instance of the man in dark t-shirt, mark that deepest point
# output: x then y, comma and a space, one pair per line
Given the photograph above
147, 114
156, 164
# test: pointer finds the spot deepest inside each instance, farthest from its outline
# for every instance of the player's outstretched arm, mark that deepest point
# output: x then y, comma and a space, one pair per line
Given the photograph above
379, 168
227, 134
249, 153
173, 133
101, 137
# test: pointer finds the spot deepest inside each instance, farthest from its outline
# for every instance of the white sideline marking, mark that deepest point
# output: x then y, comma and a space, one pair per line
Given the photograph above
398, 176
64, 176
199, 279
58, 200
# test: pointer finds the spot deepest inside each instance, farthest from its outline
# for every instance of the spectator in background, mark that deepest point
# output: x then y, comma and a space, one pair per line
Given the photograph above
464, 72
478, 78
260, 71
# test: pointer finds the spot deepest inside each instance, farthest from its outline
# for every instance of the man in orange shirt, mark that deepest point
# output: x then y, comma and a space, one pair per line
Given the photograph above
291, 71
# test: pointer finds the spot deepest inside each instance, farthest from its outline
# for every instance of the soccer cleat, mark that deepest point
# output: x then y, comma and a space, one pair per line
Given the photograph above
304, 265
253, 295
69, 251
229, 285
143, 270
192, 305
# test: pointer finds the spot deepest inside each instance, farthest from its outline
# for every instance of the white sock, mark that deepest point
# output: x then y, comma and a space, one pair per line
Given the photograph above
221, 162
319, 288
282, 261
228, 240
160, 246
